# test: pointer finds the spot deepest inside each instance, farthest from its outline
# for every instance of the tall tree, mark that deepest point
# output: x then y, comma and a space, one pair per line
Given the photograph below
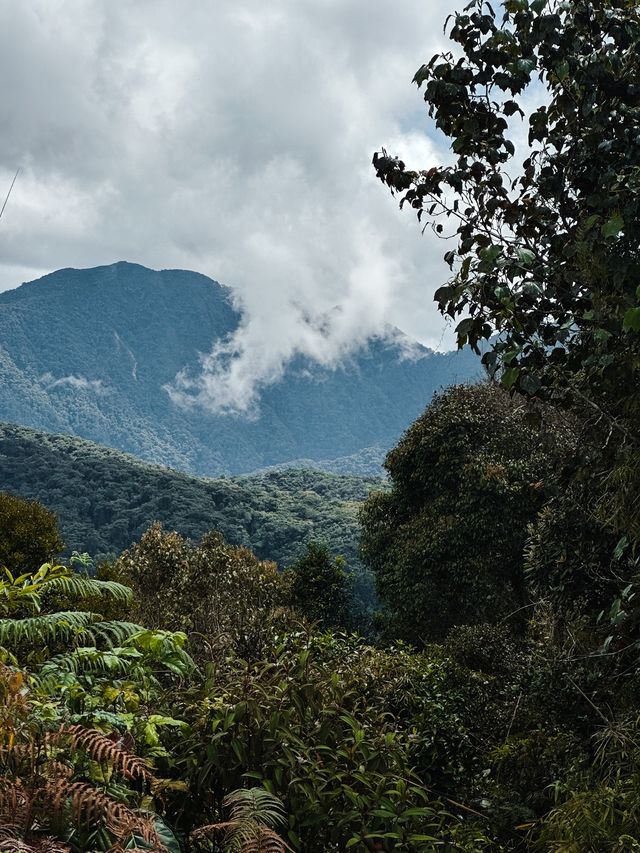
546, 245
321, 588
446, 542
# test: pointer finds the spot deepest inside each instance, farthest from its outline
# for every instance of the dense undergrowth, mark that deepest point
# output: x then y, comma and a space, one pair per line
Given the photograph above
138, 705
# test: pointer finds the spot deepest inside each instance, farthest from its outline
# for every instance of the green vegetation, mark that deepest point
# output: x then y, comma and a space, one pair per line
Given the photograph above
129, 331
446, 543
221, 594
320, 587
105, 500
191, 698
29, 534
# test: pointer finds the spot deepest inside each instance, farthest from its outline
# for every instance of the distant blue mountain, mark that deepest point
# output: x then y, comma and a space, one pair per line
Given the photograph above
88, 353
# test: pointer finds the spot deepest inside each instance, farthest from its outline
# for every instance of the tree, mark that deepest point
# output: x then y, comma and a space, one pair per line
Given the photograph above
321, 587
222, 595
446, 543
547, 236
29, 534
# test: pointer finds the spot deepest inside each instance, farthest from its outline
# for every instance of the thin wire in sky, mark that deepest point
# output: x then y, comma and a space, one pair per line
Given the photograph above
9, 193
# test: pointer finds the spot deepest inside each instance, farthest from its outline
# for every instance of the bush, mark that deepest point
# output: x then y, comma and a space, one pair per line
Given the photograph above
223, 596
29, 534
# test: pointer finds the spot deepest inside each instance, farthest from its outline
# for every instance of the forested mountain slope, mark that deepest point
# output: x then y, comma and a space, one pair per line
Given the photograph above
89, 353
106, 499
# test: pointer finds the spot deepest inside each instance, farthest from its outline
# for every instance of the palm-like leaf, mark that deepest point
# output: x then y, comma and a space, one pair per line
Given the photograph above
86, 660
79, 586
50, 628
110, 634
25, 591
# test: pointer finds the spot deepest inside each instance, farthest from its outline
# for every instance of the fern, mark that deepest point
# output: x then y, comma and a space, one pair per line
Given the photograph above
147, 649
113, 633
24, 810
50, 628
78, 586
255, 813
86, 660
25, 591
106, 750
11, 842
256, 804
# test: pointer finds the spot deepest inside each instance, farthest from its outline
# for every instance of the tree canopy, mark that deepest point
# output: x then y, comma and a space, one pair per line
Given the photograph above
446, 543
29, 534
547, 235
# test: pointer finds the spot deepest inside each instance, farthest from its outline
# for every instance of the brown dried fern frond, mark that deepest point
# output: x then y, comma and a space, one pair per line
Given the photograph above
11, 842
244, 837
15, 803
105, 750
93, 808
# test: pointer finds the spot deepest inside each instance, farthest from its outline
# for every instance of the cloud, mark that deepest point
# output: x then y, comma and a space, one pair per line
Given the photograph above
94, 385
233, 138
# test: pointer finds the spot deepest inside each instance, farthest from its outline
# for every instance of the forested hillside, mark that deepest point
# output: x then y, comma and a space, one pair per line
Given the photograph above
91, 352
105, 499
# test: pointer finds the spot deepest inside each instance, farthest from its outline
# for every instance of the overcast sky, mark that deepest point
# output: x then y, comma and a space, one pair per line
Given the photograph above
233, 138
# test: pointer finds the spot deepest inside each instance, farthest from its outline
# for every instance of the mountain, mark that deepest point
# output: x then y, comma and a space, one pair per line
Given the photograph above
90, 352
105, 499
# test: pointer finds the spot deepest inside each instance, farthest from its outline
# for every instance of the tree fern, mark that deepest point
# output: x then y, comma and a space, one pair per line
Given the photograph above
109, 634
142, 655
81, 587
87, 660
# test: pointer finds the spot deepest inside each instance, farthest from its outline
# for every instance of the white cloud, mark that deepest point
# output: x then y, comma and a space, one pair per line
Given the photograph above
233, 138
94, 385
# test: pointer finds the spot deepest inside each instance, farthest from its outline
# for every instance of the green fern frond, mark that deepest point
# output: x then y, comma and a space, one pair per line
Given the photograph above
66, 626
82, 587
256, 805
113, 633
255, 814
84, 661
25, 591
50, 628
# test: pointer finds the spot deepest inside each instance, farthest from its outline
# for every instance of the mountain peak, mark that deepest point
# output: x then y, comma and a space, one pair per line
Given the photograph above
90, 352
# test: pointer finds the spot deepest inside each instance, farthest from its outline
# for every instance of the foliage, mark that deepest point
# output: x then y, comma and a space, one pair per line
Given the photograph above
446, 542
44, 792
106, 500
509, 534
547, 238
223, 596
320, 587
29, 534
327, 724
546, 250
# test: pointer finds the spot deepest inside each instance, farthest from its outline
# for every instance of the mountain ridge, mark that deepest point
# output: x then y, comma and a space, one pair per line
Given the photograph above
90, 353
106, 499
